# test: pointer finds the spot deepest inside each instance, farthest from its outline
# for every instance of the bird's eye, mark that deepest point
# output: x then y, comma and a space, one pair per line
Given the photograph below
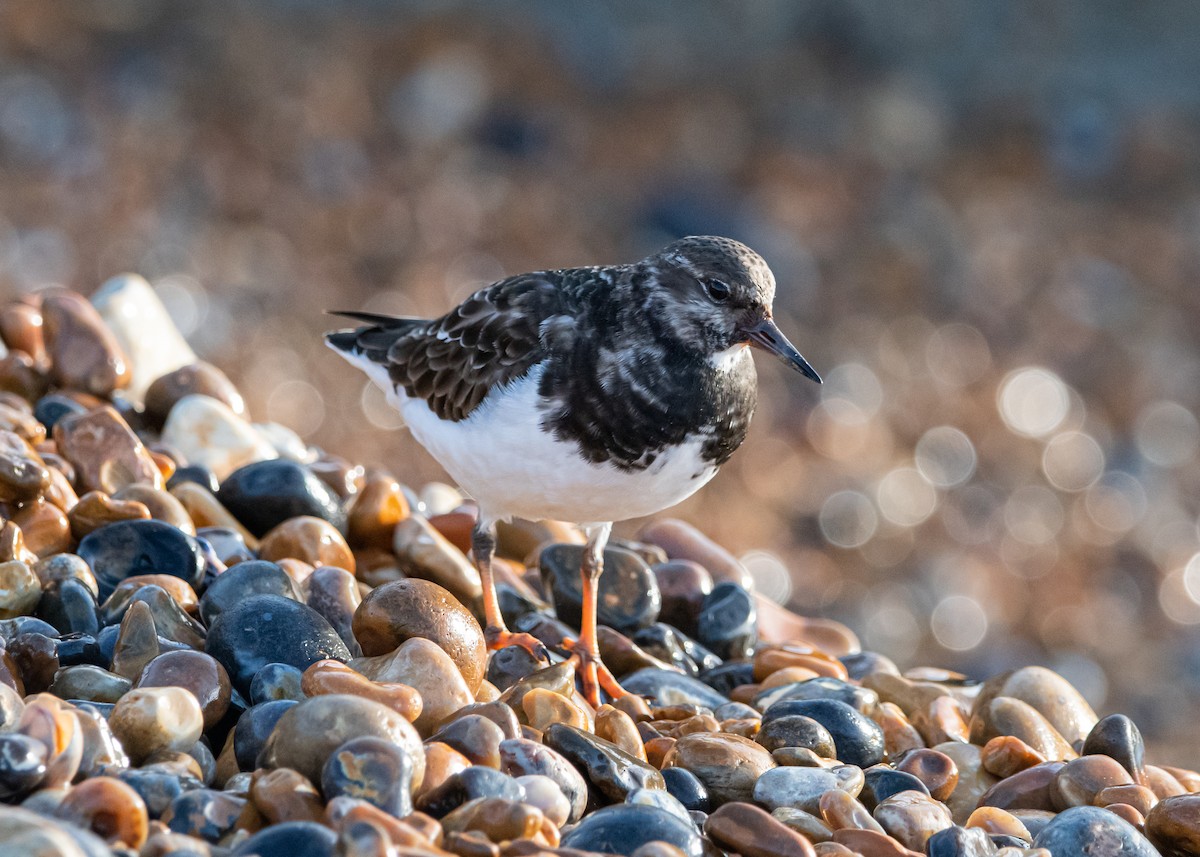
716, 289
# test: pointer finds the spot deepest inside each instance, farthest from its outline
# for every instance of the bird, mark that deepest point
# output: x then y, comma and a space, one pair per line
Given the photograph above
587, 395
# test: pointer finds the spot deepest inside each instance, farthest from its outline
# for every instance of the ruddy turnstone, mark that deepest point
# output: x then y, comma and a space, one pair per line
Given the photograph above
585, 395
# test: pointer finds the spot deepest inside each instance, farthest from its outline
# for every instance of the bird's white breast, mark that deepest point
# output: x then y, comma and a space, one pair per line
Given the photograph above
502, 458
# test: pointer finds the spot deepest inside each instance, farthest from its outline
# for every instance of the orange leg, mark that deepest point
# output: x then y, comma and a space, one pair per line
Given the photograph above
585, 651
495, 632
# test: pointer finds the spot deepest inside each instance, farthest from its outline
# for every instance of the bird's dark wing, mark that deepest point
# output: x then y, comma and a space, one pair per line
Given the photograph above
452, 362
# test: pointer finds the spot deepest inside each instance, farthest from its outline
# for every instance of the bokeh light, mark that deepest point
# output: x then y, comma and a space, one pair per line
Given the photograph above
945, 456
1033, 401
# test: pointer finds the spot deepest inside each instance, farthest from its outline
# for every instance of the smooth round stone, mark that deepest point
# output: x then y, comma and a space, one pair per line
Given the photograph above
936, 771
882, 782
912, 817
264, 494
861, 664
201, 379
109, 808
267, 629
84, 354
23, 474
1080, 780
255, 577
89, 682
955, 841
395, 612
425, 667
148, 720
157, 788
728, 765
861, 699
628, 595
469, 784
667, 687
20, 589
196, 672
309, 733
1092, 831
683, 584
22, 765
1027, 789
746, 829
801, 788
70, 607
277, 681
624, 828
422, 552
475, 736
1046, 691
307, 539
796, 730
290, 839
1118, 737
1173, 824
96, 509
254, 727
196, 474
610, 770
686, 788
727, 676
161, 505
333, 592
104, 451
1006, 716
545, 794
129, 548
661, 799
728, 621
373, 770
521, 757
204, 813
857, 739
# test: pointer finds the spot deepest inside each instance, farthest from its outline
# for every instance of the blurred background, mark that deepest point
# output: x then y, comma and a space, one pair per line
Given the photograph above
984, 219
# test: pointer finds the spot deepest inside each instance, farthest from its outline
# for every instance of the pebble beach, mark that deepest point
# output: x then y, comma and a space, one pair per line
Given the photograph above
219, 640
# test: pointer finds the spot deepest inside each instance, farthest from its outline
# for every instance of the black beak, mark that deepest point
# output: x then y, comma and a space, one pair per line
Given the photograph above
768, 337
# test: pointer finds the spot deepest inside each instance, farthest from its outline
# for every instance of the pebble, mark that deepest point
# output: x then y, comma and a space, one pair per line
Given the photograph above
161, 505
22, 765
311, 731
279, 681
628, 597
90, 683
310, 540
395, 612
283, 796
333, 592
936, 771
728, 621
200, 674
208, 433
1093, 831
611, 771
1027, 789
104, 451
1047, 692
682, 585
20, 589
1005, 755
1008, 716
475, 736
881, 782
329, 676
624, 828
290, 839
140, 323
84, 352
841, 810
424, 666
147, 720
1173, 824
129, 548
521, 757
860, 699
973, 779
801, 788
686, 788
70, 607
254, 727
205, 813
544, 793
197, 378
373, 770
857, 739
46, 529
1118, 737
23, 474
424, 553
1080, 780
959, 842
265, 629
911, 817
265, 494
667, 687
109, 808
246, 579
727, 765
472, 783
96, 509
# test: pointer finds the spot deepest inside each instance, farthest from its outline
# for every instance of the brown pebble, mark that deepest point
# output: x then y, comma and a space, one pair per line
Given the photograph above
936, 770
1162, 783
455, 527
137, 642
199, 673
1139, 797
769, 659
329, 676
12, 545
150, 719
284, 795
745, 829
308, 539
21, 329
108, 808
840, 809
833, 849
1174, 824
44, 526
196, 378
96, 509
424, 666
1080, 780
941, 720
441, 762
1027, 789
899, 735
871, 843
162, 505
395, 612
657, 750
543, 708
24, 476
21, 376
20, 589
1187, 778
1006, 755
84, 354
422, 552
788, 675
911, 817
105, 452
376, 510
728, 765
995, 820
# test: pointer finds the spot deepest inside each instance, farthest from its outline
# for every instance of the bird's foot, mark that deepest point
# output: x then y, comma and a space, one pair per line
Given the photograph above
592, 672
497, 637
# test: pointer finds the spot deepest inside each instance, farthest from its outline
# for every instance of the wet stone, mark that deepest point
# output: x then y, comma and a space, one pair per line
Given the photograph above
63, 566
70, 607
373, 770
683, 584
309, 733
204, 813
469, 784
1174, 824
1027, 789
129, 548
22, 765
1118, 737
90, 683
333, 592
628, 597
522, 757
1052, 696
266, 629
84, 354
147, 720
841, 810
728, 621
104, 451
375, 511
200, 674
207, 433
395, 612
157, 788
423, 553
1006, 716
309, 540
44, 526
861, 699
96, 509
610, 770
254, 727
857, 739
801, 788
1080, 780
246, 579
290, 839
747, 830
686, 788
20, 589
198, 378
957, 841
196, 474
727, 676
161, 505
671, 688
475, 736
882, 782
936, 771
912, 817
264, 494
509, 665
1094, 831
23, 474
425, 667
727, 765
624, 828
796, 730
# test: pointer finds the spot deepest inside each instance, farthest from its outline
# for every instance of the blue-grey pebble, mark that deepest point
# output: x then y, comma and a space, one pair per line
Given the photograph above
624, 828
858, 739
728, 621
127, 548
1095, 832
672, 688
290, 839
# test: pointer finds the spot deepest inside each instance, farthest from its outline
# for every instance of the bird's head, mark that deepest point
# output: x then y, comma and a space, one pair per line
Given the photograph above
715, 294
